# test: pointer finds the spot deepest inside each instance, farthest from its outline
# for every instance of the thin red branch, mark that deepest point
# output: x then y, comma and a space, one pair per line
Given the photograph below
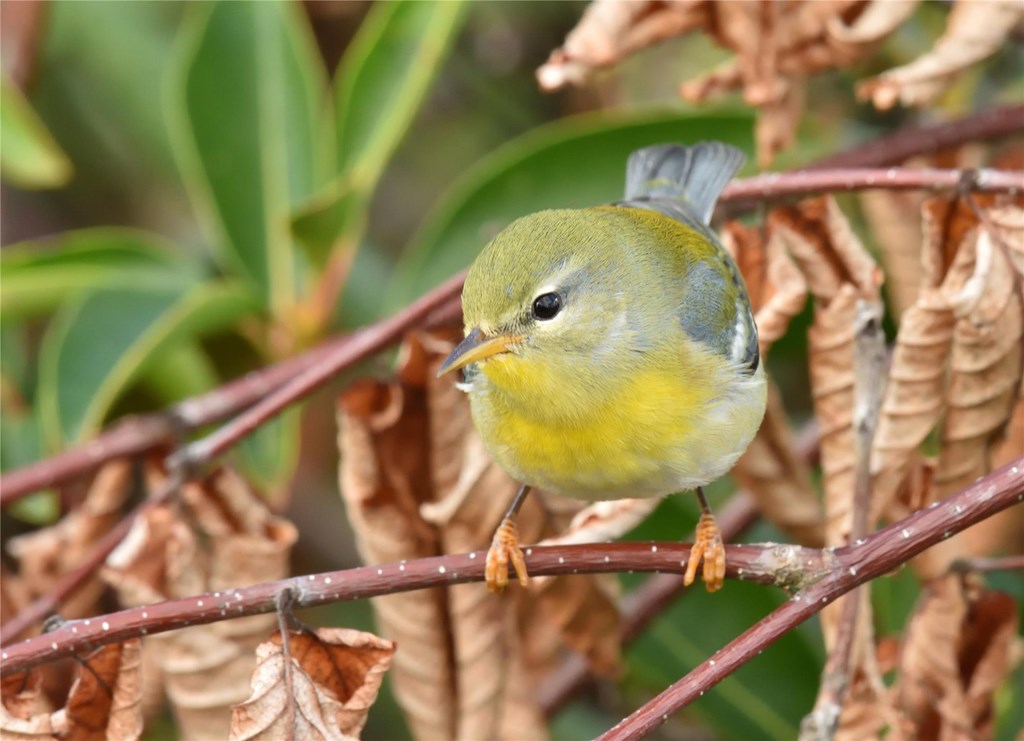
145, 433
854, 565
808, 182
911, 141
819, 576
760, 564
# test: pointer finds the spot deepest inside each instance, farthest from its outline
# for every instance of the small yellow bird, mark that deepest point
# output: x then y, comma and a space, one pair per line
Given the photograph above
610, 352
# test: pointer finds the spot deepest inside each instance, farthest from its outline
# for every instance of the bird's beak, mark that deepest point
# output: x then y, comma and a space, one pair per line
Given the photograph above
476, 347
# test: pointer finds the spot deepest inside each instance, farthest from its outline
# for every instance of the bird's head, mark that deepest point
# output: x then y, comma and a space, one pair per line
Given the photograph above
545, 307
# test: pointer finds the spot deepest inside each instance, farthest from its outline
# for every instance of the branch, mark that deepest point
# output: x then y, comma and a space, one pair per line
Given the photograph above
911, 141
854, 565
819, 575
783, 565
773, 186
138, 435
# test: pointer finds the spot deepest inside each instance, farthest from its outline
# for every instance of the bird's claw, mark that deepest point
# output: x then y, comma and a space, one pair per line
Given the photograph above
709, 548
504, 550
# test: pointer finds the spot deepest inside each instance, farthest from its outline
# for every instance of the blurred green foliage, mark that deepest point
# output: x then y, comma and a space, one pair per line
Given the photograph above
214, 193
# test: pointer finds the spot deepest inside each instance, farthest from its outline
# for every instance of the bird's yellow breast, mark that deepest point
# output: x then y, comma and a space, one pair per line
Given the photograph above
663, 428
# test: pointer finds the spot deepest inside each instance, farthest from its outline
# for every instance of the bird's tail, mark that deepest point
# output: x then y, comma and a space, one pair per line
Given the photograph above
696, 175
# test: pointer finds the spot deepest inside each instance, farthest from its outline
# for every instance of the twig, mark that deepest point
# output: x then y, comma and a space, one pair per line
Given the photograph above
856, 564
818, 575
808, 182
639, 609
911, 141
787, 566
868, 391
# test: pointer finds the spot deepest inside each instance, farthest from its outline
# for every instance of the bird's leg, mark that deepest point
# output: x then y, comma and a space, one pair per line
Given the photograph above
505, 548
707, 546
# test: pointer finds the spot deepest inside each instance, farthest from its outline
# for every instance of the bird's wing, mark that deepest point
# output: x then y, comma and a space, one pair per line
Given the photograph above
718, 314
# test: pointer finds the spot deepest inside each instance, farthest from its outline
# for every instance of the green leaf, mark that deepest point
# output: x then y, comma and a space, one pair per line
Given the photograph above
269, 455
178, 372
575, 162
21, 444
39, 275
29, 157
96, 347
379, 86
244, 109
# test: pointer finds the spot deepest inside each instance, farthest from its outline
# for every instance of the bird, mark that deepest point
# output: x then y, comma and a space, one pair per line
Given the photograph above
611, 352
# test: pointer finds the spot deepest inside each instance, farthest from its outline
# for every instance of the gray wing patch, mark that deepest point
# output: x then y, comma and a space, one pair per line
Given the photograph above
726, 327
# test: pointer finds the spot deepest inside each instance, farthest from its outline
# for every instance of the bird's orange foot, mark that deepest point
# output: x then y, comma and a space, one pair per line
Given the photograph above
504, 550
708, 547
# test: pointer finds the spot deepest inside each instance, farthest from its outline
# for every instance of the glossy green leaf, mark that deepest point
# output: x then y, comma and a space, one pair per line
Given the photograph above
379, 86
575, 162
29, 157
97, 346
245, 115
39, 275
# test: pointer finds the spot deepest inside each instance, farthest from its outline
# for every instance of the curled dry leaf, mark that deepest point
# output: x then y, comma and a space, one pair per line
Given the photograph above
46, 555
417, 481
839, 274
381, 433
770, 469
778, 479
231, 541
975, 31
104, 702
777, 46
899, 241
320, 686
24, 710
957, 650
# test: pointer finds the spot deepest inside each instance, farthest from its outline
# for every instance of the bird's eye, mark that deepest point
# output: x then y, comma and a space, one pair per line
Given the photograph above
547, 306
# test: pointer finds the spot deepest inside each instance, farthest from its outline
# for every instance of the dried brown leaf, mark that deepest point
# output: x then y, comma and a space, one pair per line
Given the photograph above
322, 687
770, 469
956, 651
383, 459
24, 710
610, 30
776, 46
45, 555
975, 31
899, 240
104, 702
778, 479
839, 274
851, 37
914, 397
233, 542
